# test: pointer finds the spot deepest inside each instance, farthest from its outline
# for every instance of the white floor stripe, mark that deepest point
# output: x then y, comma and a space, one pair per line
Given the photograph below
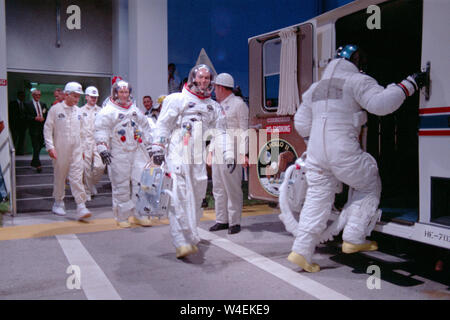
293, 278
94, 282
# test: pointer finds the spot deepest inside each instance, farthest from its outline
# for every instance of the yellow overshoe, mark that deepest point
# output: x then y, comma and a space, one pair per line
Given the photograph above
302, 263
123, 224
144, 221
184, 251
348, 247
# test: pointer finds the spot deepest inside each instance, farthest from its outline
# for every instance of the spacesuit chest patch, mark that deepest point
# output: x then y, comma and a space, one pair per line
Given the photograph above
121, 116
328, 89
210, 107
84, 114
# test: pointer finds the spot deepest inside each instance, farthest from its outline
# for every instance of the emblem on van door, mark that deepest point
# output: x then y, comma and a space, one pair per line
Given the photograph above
273, 160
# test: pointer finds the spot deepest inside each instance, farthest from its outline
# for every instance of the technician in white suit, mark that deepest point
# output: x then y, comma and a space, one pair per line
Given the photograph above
227, 188
64, 136
93, 165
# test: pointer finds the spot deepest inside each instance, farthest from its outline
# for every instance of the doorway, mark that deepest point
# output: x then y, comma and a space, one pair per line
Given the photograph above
394, 52
47, 83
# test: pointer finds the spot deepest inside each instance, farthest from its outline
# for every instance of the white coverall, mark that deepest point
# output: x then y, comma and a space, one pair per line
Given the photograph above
185, 157
125, 132
93, 165
63, 132
227, 188
331, 115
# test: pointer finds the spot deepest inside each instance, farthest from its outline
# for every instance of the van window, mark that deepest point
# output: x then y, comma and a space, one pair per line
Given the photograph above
271, 73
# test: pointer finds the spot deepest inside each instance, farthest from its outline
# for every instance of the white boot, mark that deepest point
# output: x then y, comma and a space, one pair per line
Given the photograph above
82, 212
58, 208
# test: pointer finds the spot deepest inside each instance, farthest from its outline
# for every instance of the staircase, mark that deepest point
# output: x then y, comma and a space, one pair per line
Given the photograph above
34, 190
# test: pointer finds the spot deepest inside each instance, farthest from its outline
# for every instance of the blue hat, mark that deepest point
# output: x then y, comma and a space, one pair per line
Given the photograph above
346, 52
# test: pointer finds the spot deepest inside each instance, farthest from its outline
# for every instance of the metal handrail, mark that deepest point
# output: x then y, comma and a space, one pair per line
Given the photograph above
12, 151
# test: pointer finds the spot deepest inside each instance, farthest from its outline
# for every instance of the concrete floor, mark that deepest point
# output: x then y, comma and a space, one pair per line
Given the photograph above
37, 251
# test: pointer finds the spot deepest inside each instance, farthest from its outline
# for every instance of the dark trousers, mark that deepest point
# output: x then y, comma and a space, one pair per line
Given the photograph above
37, 142
18, 136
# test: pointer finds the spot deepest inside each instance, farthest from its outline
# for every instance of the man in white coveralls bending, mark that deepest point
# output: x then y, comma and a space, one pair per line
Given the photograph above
331, 115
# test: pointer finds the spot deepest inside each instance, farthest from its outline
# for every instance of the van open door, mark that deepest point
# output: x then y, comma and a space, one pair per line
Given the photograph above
278, 144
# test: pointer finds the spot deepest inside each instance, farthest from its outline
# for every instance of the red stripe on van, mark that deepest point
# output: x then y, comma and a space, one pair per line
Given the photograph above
434, 110
434, 133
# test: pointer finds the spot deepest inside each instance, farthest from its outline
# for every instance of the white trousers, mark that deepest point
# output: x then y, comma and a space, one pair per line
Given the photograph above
125, 173
361, 175
68, 165
227, 191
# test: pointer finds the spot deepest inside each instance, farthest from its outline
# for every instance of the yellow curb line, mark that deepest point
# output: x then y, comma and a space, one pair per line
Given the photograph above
108, 224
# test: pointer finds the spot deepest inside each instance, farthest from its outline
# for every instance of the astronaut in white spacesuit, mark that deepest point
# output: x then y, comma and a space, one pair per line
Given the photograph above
122, 135
331, 115
185, 119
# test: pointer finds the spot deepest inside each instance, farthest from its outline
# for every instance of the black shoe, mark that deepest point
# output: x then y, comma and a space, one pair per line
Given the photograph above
39, 169
219, 226
205, 203
234, 229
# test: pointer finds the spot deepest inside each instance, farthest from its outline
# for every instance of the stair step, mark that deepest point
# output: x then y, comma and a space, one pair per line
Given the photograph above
46, 190
27, 162
39, 179
46, 204
30, 170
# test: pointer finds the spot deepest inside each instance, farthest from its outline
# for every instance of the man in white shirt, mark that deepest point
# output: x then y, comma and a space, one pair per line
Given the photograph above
64, 138
93, 165
227, 188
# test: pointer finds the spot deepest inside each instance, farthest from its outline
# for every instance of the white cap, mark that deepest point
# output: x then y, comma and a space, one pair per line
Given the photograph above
91, 91
225, 79
73, 87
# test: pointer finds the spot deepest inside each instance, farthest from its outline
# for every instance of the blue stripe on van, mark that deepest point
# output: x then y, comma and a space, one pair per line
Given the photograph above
435, 122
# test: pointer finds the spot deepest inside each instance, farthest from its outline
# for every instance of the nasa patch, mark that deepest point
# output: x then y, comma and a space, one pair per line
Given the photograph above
121, 116
191, 104
61, 115
210, 107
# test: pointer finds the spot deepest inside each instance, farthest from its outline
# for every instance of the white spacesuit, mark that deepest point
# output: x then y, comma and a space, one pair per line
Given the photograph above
93, 165
179, 137
64, 138
331, 115
123, 140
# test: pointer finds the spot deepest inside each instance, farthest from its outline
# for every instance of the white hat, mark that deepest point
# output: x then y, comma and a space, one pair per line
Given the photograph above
91, 91
225, 79
73, 87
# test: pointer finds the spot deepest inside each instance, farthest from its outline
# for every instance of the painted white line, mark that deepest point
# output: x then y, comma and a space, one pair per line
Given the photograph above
293, 278
94, 282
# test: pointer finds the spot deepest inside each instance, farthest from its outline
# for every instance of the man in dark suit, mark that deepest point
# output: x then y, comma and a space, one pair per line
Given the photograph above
18, 122
36, 112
